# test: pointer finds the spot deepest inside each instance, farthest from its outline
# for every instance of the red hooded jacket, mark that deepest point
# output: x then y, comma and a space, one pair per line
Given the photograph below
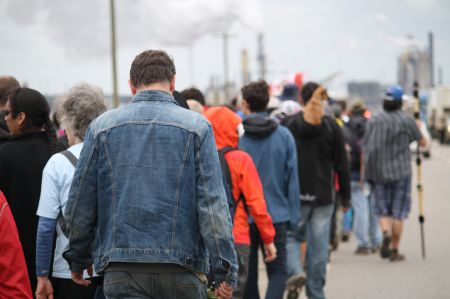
244, 176
14, 282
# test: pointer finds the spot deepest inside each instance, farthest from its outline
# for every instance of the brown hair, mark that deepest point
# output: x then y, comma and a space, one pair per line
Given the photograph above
152, 66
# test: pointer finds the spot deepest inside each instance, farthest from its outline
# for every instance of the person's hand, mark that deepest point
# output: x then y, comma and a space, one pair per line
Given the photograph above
78, 277
224, 291
313, 111
270, 251
44, 289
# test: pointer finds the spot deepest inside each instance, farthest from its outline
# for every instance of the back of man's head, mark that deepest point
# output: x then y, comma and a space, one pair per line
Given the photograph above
152, 66
194, 94
7, 83
307, 91
256, 94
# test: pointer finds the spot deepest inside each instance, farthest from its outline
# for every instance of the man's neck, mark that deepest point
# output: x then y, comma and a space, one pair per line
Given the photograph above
155, 86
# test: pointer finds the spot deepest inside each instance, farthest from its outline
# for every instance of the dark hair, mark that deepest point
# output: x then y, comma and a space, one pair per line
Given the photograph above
256, 94
194, 94
308, 90
7, 85
36, 109
390, 106
152, 66
181, 100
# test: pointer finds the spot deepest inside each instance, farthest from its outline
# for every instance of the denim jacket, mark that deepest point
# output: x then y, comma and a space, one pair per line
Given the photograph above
148, 189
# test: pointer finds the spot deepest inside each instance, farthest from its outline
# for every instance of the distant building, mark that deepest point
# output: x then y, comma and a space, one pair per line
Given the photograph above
369, 92
416, 64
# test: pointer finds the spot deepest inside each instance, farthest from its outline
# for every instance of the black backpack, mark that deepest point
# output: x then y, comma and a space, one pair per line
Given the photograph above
61, 219
228, 183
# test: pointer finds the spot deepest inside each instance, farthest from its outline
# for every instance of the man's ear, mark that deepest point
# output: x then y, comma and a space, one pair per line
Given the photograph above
20, 118
245, 107
172, 84
132, 87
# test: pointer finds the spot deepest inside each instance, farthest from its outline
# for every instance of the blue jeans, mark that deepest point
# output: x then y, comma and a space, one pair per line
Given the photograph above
314, 228
131, 285
367, 231
276, 270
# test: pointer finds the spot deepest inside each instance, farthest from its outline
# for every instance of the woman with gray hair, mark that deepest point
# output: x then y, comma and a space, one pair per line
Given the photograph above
78, 108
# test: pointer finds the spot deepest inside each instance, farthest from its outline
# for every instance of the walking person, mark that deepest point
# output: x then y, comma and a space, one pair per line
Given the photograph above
22, 159
365, 226
272, 148
147, 201
14, 281
247, 192
387, 160
321, 156
79, 107
7, 84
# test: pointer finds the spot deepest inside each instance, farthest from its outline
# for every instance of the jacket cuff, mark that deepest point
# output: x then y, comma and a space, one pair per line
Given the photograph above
77, 268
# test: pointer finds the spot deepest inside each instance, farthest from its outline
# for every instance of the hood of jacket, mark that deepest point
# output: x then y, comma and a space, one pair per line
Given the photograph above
225, 125
259, 126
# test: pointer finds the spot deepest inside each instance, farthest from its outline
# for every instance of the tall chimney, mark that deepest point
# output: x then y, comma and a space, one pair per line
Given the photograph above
245, 67
261, 57
431, 53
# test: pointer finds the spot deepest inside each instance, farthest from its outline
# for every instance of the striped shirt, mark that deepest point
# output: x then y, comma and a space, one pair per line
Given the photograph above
387, 156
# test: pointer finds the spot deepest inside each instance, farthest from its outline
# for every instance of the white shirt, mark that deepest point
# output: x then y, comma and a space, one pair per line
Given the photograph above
56, 180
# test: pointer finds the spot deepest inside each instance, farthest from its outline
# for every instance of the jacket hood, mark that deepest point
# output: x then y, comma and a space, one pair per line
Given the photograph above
225, 125
259, 127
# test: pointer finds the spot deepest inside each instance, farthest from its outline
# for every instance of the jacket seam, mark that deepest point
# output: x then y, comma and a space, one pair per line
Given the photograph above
177, 194
152, 122
113, 193
211, 212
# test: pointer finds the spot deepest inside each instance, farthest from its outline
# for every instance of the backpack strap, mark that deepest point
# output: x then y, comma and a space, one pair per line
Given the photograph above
224, 162
61, 219
71, 157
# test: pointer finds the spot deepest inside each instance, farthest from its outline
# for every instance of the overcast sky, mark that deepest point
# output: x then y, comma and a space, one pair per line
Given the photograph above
53, 44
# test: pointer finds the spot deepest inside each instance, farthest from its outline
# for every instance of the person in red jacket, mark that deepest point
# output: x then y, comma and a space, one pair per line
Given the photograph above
246, 182
14, 281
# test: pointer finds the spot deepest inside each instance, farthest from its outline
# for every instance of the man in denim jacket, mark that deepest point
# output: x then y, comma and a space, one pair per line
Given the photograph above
147, 200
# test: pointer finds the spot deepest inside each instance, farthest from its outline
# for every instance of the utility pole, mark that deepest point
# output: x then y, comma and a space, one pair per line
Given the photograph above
113, 54
225, 38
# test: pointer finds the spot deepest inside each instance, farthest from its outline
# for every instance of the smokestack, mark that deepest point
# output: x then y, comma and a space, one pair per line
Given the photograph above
261, 57
431, 53
245, 67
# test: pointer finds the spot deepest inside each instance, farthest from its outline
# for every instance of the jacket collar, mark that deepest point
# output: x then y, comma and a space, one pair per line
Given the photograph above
154, 95
28, 134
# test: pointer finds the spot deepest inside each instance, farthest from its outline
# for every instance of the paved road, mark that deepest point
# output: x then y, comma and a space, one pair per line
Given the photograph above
370, 277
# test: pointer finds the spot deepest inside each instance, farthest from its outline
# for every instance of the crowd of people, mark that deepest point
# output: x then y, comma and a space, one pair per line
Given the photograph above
166, 197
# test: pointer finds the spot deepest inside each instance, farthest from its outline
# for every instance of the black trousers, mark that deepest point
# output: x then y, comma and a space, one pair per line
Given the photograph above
67, 289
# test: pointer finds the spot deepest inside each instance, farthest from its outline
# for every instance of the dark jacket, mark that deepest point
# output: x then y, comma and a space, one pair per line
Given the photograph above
356, 126
4, 132
22, 160
321, 154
